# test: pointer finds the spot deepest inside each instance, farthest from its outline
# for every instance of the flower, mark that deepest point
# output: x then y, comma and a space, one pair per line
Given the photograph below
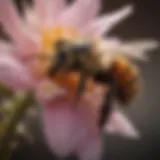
29, 34
25, 59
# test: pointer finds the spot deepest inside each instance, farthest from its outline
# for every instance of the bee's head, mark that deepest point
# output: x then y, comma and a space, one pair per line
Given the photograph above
67, 55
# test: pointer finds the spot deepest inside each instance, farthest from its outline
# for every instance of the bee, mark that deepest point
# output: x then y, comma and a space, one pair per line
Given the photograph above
81, 59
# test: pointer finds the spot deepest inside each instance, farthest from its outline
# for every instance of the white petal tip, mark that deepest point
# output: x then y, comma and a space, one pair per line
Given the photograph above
127, 9
153, 45
134, 134
119, 124
131, 134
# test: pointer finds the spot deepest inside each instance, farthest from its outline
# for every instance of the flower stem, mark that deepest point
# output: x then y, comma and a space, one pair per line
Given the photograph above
20, 105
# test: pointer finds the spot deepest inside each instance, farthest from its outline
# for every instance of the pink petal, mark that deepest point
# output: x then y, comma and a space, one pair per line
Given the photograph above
13, 25
91, 150
119, 124
13, 74
11, 20
30, 17
70, 129
54, 9
48, 10
80, 13
73, 129
32, 27
5, 47
106, 23
40, 8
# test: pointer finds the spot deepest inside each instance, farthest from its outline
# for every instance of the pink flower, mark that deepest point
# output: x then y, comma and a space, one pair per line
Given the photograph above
67, 128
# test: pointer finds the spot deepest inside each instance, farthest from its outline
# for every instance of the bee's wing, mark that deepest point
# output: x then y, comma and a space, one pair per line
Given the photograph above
135, 50
119, 124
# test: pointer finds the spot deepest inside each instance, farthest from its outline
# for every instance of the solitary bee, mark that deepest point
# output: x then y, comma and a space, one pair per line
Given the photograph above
81, 59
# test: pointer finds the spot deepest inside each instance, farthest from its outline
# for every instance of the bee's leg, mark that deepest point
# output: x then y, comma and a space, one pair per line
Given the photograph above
54, 69
106, 77
81, 87
108, 102
58, 65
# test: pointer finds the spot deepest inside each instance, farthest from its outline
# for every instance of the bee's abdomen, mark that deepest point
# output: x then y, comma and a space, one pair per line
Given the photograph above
127, 79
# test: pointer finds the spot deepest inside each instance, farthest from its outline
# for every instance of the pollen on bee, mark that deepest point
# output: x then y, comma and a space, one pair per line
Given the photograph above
50, 36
